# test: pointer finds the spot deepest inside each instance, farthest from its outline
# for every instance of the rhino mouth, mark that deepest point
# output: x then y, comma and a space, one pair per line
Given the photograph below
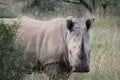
80, 69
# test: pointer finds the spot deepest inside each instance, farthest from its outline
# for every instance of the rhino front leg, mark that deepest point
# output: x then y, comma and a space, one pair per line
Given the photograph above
57, 71
38, 68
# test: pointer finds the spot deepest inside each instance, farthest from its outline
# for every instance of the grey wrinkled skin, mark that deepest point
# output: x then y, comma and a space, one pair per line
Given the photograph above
57, 47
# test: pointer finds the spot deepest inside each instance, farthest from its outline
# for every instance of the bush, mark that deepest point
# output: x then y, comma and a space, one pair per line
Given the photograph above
13, 66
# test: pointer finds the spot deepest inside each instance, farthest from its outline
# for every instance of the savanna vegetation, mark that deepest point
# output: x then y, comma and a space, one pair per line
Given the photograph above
104, 36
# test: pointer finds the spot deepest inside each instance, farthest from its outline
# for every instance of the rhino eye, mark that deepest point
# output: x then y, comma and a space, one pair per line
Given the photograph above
74, 46
70, 53
89, 51
82, 57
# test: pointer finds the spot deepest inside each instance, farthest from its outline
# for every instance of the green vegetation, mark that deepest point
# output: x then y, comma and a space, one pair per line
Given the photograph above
13, 66
42, 9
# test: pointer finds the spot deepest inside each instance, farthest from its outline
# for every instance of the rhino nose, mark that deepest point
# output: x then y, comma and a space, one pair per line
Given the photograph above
81, 69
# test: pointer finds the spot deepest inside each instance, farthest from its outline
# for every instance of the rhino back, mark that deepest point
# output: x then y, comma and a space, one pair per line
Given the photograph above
42, 39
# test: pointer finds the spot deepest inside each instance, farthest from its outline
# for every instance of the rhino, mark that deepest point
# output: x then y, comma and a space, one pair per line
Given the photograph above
59, 44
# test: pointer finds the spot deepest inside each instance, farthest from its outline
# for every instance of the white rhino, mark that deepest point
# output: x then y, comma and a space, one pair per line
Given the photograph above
61, 40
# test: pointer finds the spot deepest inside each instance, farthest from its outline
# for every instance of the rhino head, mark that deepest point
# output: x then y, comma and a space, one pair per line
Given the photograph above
78, 45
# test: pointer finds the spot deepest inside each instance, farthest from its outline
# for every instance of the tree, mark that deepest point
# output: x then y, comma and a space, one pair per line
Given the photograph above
83, 2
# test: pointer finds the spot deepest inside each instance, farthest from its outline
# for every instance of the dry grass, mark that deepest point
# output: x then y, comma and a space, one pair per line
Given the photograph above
105, 47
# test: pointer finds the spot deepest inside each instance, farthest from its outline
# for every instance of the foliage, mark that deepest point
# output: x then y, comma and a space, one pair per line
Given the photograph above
6, 14
114, 3
13, 65
53, 8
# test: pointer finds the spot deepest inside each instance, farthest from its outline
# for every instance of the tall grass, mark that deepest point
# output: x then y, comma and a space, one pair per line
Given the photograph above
105, 47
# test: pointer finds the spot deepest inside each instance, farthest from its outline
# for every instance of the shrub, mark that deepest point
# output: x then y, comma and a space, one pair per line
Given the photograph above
13, 66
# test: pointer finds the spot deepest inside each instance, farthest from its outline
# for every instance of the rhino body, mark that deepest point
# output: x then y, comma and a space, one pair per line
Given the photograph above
44, 40
61, 40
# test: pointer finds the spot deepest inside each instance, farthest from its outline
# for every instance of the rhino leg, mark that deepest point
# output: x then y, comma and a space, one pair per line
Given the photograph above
57, 71
37, 67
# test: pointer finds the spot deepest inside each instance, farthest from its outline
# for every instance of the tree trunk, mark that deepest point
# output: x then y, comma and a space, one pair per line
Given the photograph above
94, 5
86, 5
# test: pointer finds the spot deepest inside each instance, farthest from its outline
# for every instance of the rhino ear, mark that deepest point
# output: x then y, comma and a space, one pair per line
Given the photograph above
89, 23
70, 25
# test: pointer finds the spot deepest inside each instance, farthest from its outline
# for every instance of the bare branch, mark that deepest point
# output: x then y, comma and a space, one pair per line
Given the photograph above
72, 2
83, 2
86, 5
93, 4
